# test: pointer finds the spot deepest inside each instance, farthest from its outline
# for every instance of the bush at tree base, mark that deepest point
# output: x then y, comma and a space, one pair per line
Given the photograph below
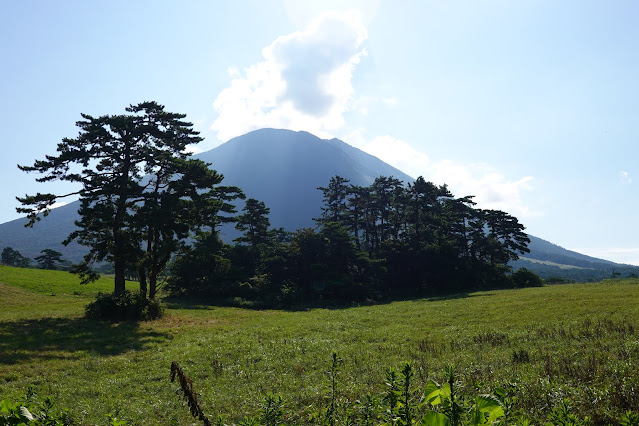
124, 306
526, 278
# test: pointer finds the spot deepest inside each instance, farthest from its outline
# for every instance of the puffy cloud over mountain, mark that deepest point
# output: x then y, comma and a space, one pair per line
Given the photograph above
303, 83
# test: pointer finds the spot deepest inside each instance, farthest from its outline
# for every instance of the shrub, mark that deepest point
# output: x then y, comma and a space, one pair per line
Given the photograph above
526, 278
520, 356
558, 280
124, 306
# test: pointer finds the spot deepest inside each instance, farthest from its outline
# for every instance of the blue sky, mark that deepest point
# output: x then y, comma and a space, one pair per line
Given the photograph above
532, 106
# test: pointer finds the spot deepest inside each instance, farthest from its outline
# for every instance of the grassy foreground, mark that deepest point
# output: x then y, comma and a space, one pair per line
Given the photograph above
572, 342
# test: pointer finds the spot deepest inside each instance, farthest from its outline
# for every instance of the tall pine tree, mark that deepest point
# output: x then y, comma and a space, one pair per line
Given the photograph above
109, 160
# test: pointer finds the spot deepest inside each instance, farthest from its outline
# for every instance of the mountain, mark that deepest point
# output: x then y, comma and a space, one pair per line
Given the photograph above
48, 233
550, 260
283, 168
280, 167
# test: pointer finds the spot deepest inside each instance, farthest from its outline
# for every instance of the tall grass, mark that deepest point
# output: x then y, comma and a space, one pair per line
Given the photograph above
542, 346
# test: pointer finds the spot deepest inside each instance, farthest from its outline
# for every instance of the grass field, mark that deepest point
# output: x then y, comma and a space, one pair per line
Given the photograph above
577, 342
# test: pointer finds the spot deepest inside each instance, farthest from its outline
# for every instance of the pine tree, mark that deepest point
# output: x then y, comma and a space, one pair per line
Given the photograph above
254, 222
109, 160
49, 259
13, 257
335, 197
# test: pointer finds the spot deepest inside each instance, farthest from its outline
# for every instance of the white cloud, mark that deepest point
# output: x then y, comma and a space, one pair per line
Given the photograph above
393, 151
303, 83
363, 103
492, 190
233, 72
390, 102
194, 149
625, 177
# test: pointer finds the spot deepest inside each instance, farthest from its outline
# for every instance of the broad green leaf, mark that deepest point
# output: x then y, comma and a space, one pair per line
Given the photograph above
477, 418
487, 402
490, 405
433, 418
5, 407
432, 392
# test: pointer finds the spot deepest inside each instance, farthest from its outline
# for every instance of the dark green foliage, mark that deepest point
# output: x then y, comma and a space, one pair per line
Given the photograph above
254, 223
401, 404
50, 259
124, 306
630, 419
335, 200
140, 195
385, 240
272, 411
557, 280
202, 269
11, 257
29, 412
427, 240
563, 414
520, 356
524, 278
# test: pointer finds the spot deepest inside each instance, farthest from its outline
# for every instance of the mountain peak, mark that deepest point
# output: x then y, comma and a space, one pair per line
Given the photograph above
284, 168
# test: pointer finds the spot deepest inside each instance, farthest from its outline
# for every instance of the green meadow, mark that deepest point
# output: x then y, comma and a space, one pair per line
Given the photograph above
574, 344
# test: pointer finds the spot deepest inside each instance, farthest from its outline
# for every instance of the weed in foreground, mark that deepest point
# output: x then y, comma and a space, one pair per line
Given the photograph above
189, 394
439, 404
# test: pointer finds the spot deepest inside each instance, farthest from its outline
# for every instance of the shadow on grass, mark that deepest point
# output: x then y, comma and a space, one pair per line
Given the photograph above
68, 338
331, 304
441, 297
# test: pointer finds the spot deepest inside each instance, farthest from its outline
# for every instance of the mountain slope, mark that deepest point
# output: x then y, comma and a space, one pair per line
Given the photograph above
284, 168
48, 233
547, 251
550, 260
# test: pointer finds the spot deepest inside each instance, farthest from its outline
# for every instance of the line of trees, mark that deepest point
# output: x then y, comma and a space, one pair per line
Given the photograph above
12, 257
48, 259
386, 239
142, 197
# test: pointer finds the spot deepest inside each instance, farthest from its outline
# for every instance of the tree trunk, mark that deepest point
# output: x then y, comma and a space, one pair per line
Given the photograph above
153, 279
142, 278
119, 267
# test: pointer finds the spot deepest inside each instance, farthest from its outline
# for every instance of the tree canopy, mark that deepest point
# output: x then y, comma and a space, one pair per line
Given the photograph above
140, 194
384, 240
12, 257
49, 259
